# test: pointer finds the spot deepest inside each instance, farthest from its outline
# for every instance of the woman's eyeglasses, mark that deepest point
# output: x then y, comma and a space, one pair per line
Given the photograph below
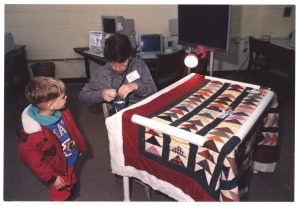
119, 65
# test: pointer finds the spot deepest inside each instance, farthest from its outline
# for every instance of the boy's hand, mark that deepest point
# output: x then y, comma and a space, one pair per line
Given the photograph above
59, 183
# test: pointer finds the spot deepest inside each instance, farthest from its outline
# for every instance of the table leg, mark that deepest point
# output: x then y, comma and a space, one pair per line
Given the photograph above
87, 68
126, 189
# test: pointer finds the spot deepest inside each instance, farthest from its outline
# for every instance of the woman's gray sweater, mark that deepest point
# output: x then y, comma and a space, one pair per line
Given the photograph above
101, 79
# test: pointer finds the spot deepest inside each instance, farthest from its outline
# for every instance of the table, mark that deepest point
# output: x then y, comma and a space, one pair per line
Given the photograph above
203, 155
151, 63
87, 57
283, 42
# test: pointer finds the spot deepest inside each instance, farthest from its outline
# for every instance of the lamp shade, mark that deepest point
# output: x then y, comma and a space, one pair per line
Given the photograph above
191, 60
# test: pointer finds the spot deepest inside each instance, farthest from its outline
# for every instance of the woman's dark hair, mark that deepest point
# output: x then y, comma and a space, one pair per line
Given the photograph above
117, 48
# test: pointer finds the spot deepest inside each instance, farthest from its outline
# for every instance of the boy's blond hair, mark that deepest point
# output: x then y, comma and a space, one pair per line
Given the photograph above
43, 89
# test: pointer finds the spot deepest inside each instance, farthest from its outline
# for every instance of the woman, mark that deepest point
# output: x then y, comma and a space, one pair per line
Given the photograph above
123, 80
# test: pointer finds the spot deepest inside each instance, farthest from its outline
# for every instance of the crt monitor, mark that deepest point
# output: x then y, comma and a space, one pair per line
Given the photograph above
151, 43
112, 24
117, 24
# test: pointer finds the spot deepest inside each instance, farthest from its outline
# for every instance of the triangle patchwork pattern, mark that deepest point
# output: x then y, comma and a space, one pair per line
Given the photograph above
204, 164
207, 155
152, 140
152, 132
190, 126
157, 151
215, 138
200, 97
172, 115
196, 122
167, 118
225, 171
240, 113
208, 115
224, 129
221, 101
177, 111
183, 108
225, 98
237, 117
234, 121
177, 160
211, 145
219, 133
245, 106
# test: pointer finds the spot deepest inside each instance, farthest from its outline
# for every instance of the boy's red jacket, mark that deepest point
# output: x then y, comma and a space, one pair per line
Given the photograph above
41, 150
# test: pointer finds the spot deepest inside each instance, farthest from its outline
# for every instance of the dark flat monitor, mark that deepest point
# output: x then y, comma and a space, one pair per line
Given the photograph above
151, 43
207, 25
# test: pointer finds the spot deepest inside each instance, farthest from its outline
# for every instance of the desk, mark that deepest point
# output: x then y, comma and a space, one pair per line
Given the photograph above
151, 63
196, 139
87, 57
283, 42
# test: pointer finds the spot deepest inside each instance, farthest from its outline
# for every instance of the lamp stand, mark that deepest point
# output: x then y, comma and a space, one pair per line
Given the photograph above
188, 70
211, 62
189, 50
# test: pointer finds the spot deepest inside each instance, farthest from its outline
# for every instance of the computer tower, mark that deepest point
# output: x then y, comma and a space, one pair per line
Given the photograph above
168, 43
9, 42
128, 27
171, 44
132, 42
173, 27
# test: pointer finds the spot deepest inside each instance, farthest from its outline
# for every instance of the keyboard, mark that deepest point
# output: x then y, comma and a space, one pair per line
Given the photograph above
148, 56
96, 52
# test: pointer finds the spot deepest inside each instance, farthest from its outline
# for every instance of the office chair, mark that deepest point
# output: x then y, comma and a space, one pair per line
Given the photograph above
169, 69
258, 57
258, 54
281, 66
282, 61
107, 111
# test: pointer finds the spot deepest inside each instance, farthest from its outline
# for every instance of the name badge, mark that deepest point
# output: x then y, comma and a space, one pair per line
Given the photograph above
132, 76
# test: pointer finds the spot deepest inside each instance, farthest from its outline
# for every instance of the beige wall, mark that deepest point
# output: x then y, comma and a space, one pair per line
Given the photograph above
52, 31
259, 20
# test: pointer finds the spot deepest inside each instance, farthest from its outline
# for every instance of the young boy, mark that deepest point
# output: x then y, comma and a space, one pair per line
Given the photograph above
50, 141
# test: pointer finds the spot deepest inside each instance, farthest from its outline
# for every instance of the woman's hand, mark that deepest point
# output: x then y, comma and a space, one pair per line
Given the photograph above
109, 94
125, 89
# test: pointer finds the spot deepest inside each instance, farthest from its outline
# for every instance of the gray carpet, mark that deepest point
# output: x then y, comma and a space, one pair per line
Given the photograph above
97, 183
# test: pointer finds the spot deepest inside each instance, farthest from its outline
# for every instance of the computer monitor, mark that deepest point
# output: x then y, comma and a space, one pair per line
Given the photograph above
112, 24
207, 25
151, 43
117, 24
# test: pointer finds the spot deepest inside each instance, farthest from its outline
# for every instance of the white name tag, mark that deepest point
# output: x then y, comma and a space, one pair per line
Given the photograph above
132, 76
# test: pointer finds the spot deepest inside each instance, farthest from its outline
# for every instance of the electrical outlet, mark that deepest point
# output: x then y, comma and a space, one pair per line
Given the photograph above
237, 39
246, 38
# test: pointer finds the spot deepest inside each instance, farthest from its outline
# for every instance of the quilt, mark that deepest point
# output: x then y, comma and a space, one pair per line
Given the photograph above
217, 111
